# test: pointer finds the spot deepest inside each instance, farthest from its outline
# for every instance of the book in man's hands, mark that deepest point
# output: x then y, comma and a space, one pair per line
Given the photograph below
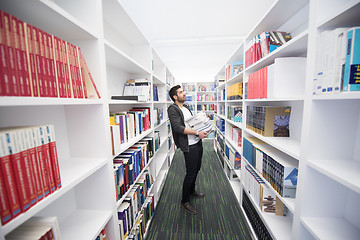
200, 122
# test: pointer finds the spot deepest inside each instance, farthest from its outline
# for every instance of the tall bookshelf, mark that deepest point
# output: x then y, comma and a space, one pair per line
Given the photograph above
324, 129
115, 51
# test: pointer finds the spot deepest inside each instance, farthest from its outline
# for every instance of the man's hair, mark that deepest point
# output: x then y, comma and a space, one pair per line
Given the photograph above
173, 91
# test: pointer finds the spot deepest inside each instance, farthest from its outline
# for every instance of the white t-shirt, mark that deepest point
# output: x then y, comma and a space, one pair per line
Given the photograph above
193, 139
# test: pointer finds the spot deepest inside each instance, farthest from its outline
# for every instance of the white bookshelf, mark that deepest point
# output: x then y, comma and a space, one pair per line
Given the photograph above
115, 50
324, 129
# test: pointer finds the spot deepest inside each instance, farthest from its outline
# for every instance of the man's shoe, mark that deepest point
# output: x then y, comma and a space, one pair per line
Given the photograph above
189, 208
198, 194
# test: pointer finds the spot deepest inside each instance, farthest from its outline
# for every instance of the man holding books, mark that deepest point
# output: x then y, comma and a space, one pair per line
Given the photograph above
189, 141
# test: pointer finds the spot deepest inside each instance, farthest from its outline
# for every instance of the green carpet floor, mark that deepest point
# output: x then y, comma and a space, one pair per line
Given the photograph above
219, 217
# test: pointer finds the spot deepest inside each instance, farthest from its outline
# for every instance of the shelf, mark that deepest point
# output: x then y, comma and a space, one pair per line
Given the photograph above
344, 14
338, 96
132, 141
296, 47
343, 171
279, 226
53, 19
331, 228
289, 202
117, 58
290, 99
84, 224
43, 101
237, 78
72, 172
287, 145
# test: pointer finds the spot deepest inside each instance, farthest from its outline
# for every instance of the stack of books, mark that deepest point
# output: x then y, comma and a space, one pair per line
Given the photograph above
200, 122
38, 64
29, 168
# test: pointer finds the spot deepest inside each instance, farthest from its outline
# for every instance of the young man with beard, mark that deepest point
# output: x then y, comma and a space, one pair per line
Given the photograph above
189, 141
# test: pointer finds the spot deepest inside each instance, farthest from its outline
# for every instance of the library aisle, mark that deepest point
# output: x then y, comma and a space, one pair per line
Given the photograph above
219, 217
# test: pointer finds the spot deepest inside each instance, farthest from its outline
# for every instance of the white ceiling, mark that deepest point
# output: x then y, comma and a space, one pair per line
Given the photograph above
195, 38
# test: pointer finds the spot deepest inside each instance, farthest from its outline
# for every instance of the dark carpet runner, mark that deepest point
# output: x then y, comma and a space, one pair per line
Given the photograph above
219, 217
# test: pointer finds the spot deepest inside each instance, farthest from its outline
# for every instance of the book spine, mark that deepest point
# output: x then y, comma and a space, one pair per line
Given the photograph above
23, 60
345, 87
354, 78
40, 58
13, 81
19, 171
5, 212
7, 174
65, 61
79, 73
53, 154
34, 164
26, 162
47, 157
29, 42
44, 175
4, 77
46, 55
53, 75
72, 73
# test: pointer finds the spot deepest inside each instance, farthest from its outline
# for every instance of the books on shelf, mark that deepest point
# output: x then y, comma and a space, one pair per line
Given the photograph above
38, 64
337, 61
234, 113
255, 220
235, 134
133, 219
29, 168
234, 68
205, 87
273, 81
277, 168
220, 124
137, 87
128, 124
263, 44
235, 91
205, 98
158, 112
269, 121
205, 107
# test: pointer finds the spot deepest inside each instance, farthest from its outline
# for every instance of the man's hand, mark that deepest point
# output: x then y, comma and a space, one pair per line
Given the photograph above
202, 134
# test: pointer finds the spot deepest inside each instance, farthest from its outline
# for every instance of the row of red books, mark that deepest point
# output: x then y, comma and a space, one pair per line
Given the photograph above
35, 63
29, 168
263, 44
258, 81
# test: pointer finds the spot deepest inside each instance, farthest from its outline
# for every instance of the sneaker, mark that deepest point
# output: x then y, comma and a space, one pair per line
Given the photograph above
189, 208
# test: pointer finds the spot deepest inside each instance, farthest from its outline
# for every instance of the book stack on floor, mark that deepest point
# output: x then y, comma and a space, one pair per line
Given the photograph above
128, 124
263, 44
37, 228
337, 63
269, 121
29, 168
130, 164
38, 64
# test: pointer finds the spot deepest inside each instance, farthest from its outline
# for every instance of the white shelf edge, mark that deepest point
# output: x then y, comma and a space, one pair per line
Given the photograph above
331, 228
343, 171
45, 101
84, 224
70, 177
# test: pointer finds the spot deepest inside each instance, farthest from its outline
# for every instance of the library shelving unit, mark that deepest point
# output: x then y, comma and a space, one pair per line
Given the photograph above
324, 129
115, 51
